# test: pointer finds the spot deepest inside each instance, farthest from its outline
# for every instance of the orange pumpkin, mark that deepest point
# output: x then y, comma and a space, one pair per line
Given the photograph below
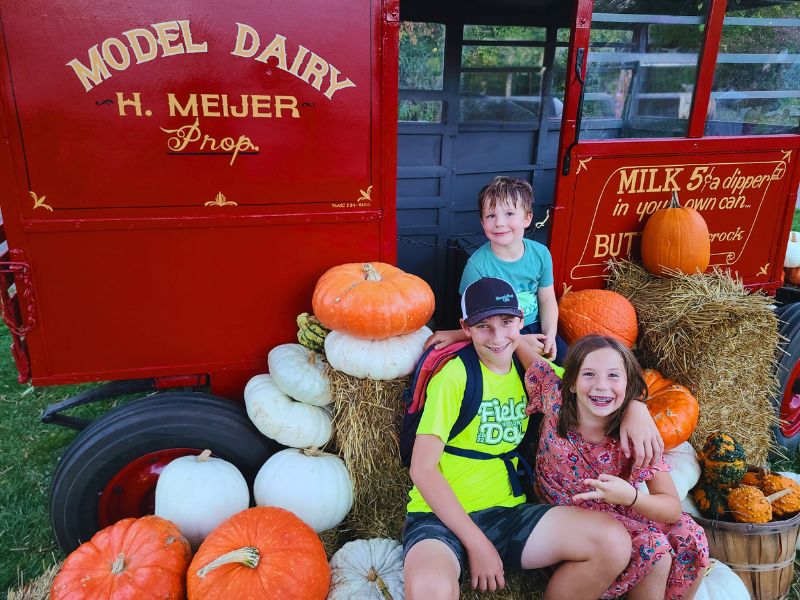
597, 311
263, 552
372, 300
134, 559
673, 407
676, 238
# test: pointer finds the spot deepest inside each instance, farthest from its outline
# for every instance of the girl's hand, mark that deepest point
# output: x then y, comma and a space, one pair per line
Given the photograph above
639, 430
485, 566
607, 488
442, 339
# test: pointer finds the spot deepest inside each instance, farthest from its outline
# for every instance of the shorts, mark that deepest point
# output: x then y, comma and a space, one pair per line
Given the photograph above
507, 528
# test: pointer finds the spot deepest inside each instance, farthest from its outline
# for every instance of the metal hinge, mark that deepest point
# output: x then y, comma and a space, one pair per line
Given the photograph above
11, 305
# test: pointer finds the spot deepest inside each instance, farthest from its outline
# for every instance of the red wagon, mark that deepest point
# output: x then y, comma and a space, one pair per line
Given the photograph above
175, 177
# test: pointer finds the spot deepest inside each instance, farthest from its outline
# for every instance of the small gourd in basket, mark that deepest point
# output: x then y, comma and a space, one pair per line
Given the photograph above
749, 505
722, 460
786, 505
711, 501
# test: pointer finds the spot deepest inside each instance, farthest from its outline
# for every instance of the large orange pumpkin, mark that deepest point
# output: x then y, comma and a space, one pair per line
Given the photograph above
134, 559
597, 311
673, 407
372, 300
676, 238
263, 552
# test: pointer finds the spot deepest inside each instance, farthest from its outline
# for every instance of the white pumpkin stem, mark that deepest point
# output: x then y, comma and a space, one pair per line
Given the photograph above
314, 451
674, 202
780, 494
118, 566
247, 556
312, 357
372, 273
373, 577
204, 455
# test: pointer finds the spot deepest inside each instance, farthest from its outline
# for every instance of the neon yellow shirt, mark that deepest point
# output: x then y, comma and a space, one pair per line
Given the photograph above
498, 427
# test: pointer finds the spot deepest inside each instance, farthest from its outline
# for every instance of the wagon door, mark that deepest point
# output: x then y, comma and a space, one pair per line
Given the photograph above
699, 99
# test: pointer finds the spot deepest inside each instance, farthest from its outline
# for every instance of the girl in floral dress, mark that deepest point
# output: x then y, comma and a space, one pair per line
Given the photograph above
580, 462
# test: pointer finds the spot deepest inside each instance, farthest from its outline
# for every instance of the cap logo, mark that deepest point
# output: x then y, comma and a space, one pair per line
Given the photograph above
506, 298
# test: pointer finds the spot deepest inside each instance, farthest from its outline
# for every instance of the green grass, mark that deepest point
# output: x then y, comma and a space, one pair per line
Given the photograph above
796, 221
29, 452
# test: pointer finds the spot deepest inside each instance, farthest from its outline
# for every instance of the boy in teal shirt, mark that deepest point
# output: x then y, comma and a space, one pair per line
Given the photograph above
463, 511
506, 210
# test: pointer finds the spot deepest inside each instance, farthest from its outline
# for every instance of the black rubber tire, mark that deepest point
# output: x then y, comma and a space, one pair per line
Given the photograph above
159, 422
787, 359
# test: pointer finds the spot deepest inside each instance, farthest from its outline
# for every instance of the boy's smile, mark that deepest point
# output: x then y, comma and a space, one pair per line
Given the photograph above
495, 338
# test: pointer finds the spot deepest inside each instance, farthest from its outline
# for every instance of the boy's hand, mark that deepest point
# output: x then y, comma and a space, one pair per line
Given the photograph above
485, 566
442, 339
639, 430
609, 489
549, 348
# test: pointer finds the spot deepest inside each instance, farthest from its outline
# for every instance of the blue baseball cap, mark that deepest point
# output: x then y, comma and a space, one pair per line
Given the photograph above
487, 297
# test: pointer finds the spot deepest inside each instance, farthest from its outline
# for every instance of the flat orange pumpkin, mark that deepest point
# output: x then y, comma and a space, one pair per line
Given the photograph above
372, 300
673, 408
263, 552
134, 559
597, 311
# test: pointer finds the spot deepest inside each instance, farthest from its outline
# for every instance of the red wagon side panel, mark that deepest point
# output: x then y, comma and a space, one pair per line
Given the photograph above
178, 176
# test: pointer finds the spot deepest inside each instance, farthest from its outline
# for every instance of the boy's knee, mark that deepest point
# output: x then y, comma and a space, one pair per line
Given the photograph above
429, 587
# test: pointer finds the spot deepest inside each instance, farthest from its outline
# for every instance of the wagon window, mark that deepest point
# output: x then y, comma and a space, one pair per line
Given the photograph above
642, 69
421, 71
501, 73
756, 87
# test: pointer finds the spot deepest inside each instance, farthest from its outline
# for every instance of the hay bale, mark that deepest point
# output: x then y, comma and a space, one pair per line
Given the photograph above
38, 589
366, 428
708, 333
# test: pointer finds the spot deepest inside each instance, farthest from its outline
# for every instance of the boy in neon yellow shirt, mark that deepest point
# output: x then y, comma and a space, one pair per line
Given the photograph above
463, 511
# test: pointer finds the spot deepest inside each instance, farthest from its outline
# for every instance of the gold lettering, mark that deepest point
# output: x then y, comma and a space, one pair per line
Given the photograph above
168, 32
276, 48
93, 75
335, 85
259, 102
210, 102
243, 111
191, 47
190, 109
133, 36
136, 103
627, 181
317, 68
286, 103
301, 54
124, 60
242, 34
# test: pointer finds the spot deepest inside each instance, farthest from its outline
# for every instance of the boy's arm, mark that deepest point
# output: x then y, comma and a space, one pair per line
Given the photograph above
485, 564
639, 430
444, 338
548, 318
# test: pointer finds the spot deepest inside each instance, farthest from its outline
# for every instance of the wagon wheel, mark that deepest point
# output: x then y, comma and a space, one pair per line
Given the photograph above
787, 402
110, 470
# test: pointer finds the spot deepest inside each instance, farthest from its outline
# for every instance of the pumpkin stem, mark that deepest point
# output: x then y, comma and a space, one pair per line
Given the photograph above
674, 202
373, 577
247, 556
779, 494
204, 455
118, 565
372, 273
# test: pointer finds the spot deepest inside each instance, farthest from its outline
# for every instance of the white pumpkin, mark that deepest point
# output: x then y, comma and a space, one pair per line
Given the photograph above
688, 506
720, 583
300, 373
280, 418
375, 359
314, 485
197, 493
367, 570
792, 260
685, 469
796, 478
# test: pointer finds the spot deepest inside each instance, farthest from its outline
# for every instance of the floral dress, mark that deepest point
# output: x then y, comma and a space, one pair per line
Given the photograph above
562, 465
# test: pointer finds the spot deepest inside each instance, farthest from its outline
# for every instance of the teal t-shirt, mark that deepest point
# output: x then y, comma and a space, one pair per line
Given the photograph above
526, 275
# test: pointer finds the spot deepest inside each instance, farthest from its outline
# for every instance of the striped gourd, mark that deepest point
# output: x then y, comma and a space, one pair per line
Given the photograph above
310, 332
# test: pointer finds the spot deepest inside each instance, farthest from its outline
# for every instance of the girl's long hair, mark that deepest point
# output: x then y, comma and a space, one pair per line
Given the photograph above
635, 386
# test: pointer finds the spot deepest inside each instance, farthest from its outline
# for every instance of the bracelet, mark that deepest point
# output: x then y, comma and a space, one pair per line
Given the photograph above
635, 497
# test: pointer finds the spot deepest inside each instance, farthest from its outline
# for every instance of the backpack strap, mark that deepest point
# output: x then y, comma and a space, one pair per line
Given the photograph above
473, 390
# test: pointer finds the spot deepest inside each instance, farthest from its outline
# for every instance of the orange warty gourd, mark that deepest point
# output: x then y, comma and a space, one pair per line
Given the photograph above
263, 552
673, 407
134, 559
597, 311
676, 238
372, 300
